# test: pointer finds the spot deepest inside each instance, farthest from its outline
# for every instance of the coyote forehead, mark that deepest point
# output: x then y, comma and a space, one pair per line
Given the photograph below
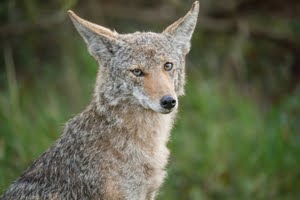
150, 46
150, 50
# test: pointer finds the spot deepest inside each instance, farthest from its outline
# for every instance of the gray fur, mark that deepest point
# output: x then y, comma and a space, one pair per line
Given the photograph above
116, 148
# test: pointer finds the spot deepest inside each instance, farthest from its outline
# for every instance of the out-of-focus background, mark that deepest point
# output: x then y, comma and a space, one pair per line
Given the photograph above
237, 135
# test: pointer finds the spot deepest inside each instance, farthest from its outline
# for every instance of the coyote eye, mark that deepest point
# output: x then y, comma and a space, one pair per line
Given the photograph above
137, 72
168, 66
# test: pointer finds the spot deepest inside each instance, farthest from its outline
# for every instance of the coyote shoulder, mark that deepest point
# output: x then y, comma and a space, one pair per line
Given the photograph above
116, 148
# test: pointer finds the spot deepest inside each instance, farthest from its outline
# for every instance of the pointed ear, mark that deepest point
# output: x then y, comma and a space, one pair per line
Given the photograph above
101, 41
182, 30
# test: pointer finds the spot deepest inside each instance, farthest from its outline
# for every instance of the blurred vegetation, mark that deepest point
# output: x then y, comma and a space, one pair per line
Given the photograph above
237, 134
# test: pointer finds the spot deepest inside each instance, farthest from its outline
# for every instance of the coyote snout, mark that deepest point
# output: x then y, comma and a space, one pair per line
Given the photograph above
166, 104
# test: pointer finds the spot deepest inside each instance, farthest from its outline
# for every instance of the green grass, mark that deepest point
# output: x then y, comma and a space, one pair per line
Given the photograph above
33, 114
224, 145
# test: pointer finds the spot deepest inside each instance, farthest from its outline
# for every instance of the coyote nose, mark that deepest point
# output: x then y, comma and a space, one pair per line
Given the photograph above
168, 102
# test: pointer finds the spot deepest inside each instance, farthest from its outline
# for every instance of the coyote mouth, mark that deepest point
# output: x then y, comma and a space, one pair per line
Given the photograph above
162, 110
166, 111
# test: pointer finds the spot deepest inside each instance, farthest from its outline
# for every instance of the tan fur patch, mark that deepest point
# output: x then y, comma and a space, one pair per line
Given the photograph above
111, 191
158, 85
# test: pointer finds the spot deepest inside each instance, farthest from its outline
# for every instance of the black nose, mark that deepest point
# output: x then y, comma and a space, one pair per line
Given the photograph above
168, 102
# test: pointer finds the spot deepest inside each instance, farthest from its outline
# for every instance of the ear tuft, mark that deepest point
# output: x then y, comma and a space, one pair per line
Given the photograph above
182, 30
195, 6
90, 30
101, 42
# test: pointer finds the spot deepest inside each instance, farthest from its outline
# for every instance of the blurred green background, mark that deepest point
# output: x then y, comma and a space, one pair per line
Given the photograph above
237, 134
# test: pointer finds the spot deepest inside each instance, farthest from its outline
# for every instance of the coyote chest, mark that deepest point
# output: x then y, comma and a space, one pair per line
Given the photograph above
138, 156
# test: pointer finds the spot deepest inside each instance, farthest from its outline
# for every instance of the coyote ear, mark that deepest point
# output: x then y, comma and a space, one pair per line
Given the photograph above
182, 30
100, 40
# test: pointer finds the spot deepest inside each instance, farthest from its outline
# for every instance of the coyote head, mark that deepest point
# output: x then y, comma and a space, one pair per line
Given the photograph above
145, 68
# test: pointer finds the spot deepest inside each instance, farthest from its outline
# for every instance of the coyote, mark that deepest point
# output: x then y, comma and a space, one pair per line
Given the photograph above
116, 148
